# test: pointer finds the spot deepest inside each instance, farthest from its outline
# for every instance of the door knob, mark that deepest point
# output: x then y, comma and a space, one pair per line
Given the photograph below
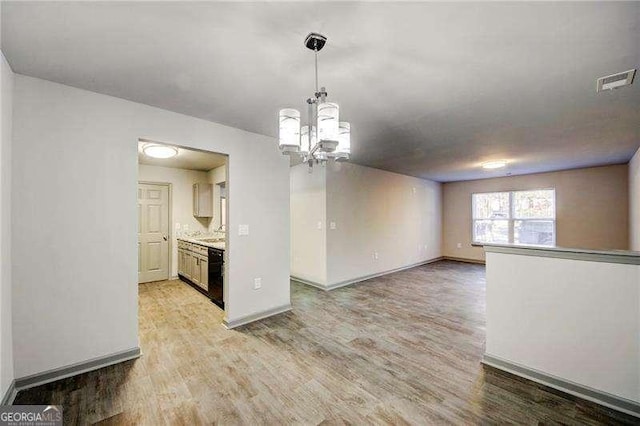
164, 237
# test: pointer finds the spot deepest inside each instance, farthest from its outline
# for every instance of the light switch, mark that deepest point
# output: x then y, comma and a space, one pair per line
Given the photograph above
459, 245
243, 229
332, 225
257, 283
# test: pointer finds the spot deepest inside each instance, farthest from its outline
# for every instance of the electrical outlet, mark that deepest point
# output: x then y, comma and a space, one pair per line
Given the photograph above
319, 225
257, 283
459, 245
332, 225
413, 190
375, 255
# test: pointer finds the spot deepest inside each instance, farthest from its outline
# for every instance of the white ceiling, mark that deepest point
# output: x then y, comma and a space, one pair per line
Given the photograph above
431, 89
189, 159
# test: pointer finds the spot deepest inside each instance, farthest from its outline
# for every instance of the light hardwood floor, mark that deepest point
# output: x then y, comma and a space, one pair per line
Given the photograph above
400, 349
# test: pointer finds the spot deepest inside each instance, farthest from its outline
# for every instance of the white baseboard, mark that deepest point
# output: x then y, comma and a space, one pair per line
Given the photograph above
255, 317
308, 282
10, 395
363, 278
464, 260
75, 369
603, 398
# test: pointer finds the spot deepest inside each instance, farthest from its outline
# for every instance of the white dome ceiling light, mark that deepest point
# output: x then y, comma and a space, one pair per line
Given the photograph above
159, 151
497, 164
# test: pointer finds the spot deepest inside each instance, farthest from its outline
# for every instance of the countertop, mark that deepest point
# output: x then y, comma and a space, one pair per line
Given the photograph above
220, 245
609, 256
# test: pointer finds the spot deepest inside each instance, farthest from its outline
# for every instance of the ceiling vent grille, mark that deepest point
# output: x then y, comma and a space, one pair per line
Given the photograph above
614, 81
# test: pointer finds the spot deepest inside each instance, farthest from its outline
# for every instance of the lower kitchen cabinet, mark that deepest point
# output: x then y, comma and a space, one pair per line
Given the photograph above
203, 264
195, 269
180, 261
187, 263
193, 266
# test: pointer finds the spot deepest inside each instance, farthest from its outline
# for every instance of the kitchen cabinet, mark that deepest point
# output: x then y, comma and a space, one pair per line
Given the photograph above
195, 269
203, 263
188, 258
193, 265
202, 200
199, 270
181, 251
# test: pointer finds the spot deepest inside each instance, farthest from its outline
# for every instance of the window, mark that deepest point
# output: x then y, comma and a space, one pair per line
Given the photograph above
518, 217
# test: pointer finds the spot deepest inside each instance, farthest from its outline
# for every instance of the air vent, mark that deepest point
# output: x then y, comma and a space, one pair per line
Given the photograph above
614, 81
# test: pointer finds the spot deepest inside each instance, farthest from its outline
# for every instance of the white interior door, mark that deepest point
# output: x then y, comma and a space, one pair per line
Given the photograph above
153, 232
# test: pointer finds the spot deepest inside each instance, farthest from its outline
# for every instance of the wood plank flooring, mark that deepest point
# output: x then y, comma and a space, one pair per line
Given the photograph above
400, 349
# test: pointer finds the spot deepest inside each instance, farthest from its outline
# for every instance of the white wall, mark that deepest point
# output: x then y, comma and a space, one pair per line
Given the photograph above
634, 202
74, 209
6, 346
397, 216
308, 209
181, 181
573, 319
216, 176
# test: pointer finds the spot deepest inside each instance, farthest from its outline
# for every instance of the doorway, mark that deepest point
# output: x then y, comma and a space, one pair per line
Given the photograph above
183, 210
154, 244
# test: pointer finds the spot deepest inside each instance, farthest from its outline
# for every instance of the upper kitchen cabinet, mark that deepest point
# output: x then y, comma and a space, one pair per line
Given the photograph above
203, 200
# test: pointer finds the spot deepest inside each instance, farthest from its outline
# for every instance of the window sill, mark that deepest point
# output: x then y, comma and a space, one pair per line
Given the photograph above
477, 245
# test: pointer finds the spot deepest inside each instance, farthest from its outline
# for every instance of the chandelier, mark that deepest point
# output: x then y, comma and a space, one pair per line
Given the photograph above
324, 136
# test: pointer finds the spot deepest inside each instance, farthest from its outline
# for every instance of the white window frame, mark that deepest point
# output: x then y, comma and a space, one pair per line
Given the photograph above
512, 219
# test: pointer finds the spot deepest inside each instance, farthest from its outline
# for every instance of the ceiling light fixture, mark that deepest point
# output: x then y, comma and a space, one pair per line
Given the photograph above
498, 164
324, 137
159, 151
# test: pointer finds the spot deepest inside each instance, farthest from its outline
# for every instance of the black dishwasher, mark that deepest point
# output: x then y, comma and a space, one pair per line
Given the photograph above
216, 276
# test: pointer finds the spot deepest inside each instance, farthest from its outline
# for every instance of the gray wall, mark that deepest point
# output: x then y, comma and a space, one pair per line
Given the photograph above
74, 209
6, 345
396, 216
634, 202
308, 210
374, 211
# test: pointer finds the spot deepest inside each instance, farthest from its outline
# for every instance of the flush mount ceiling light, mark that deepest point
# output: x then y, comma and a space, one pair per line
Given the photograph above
324, 137
497, 164
159, 151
